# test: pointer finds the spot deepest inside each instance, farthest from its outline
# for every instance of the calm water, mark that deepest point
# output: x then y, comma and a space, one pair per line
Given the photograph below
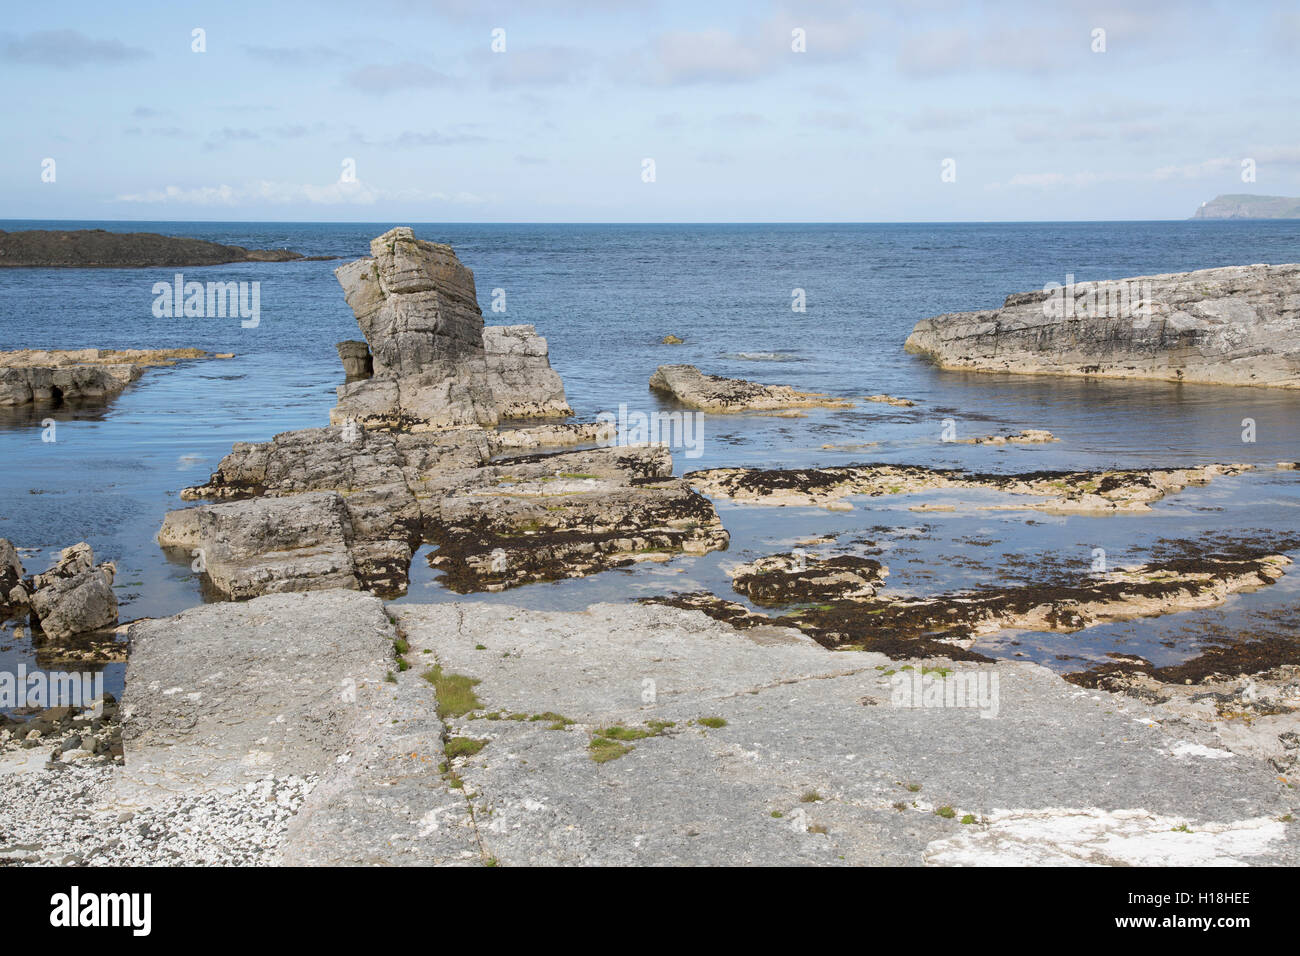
604, 296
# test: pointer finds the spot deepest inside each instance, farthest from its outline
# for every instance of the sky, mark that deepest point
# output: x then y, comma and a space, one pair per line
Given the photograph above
403, 110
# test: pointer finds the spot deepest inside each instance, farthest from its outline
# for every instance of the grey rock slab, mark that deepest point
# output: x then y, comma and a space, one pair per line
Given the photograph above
1058, 775
294, 686
224, 694
1228, 326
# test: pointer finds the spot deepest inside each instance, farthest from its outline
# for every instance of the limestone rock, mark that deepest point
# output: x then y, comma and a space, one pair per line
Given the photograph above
434, 364
51, 376
11, 568
72, 561
74, 596
356, 359
1229, 326
520, 376
1112, 491
269, 545
713, 393
326, 507
792, 578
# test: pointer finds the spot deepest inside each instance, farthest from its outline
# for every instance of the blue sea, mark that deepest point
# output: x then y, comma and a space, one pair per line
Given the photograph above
604, 296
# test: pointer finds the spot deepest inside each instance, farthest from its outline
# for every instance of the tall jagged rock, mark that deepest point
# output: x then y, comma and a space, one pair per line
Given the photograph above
1238, 325
434, 364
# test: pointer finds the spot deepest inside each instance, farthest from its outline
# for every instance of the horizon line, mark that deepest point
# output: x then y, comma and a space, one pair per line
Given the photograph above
665, 222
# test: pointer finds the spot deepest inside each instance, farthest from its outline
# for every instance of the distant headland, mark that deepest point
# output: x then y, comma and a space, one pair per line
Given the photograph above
1249, 206
97, 248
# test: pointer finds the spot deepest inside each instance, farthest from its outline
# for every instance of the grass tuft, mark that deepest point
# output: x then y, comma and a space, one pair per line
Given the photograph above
455, 692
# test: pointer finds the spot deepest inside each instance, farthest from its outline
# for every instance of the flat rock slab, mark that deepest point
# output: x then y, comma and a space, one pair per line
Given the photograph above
294, 686
1059, 775
771, 749
223, 694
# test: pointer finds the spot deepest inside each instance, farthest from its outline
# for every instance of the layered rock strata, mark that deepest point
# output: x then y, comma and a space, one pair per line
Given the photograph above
51, 376
1230, 326
433, 363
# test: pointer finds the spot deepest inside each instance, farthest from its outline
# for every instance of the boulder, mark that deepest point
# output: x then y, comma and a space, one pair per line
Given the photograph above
72, 561
356, 359
11, 569
1229, 326
75, 596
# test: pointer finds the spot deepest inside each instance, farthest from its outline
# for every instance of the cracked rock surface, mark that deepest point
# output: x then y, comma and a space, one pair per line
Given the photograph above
624, 734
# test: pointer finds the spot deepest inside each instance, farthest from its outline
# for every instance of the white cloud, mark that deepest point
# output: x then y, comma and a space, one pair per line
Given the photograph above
266, 191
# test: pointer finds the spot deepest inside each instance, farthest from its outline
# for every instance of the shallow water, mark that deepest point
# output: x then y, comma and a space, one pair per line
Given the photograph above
604, 296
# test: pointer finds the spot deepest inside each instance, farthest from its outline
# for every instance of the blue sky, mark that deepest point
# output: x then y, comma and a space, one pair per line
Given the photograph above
557, 127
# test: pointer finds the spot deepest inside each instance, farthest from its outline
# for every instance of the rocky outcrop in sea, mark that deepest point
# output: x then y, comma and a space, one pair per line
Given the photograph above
432, 363
413, 457
1231, 326
714, 393
98, 248
73, 597
52, 376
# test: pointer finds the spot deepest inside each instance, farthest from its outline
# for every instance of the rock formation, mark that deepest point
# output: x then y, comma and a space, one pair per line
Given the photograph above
836, 601
323, 508
356, 359
434, 364
51, 376
74, 596
1230, 326
97, 248
412, 458
11, 576
713, 393
791, 578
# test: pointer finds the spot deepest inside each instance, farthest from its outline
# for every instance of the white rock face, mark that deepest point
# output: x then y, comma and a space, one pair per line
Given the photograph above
1233, 326
435, 366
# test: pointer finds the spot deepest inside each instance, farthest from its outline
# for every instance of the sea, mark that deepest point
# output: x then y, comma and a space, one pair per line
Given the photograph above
604, 296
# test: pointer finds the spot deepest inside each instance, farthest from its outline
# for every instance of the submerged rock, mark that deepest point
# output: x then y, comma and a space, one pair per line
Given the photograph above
890, 400
1230, 326
52, 376
434, 364
713, 393
1028, 436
